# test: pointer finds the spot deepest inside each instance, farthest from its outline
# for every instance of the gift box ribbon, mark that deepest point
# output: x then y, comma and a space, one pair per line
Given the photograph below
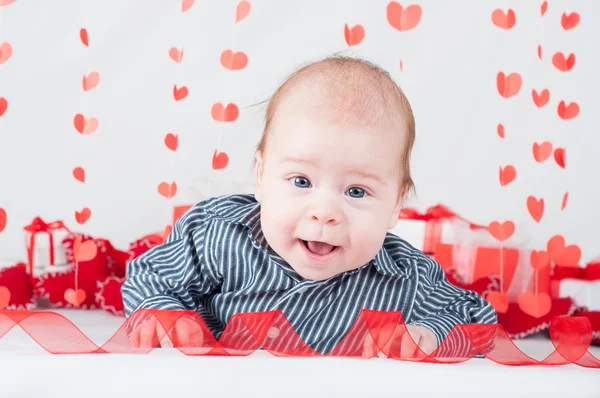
589, 273
433, 218
40, 226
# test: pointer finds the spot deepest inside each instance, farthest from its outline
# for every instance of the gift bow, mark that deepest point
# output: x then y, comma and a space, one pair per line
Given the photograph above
40, 226
435, 213
591, 272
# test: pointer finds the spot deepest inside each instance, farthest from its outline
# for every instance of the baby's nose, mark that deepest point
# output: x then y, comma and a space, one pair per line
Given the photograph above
326, 215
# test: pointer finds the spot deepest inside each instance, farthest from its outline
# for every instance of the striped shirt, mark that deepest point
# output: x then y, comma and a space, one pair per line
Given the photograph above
217, 262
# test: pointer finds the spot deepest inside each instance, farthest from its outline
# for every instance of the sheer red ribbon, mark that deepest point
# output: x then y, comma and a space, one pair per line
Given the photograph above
246, 333
40, 226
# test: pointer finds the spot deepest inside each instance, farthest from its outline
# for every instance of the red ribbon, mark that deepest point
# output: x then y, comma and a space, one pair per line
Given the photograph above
435, 213
590, 272
40, 226
433, 218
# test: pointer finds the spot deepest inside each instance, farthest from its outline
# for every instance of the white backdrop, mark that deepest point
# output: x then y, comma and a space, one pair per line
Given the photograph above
450, 62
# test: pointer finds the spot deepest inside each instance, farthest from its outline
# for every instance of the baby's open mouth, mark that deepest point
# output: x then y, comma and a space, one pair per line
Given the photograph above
319, 248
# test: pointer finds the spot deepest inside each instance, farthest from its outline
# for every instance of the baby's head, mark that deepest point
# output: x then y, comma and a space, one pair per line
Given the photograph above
332, 168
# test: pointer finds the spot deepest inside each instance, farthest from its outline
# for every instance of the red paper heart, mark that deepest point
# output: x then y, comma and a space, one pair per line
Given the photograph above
401, 18
535, 207
498, 300
3, 105
562, 255
571, 336
242, 10
179, 93
4, 297
75, 297
504, 20
561, 63
82, 216
567, 112
171, 141
2, 219
224, 114
220, 161
539, 52
91, 81
500, 130
167, 190
543, 8
234, 60
175, 54
569, 21
564, 201
542, 151
507, 175
84, 126
79, 174
539, 259
502, 231
508, 86
559, 157
5, 52
83, 35
540, 99
186, 5
85, 251
535, 305
354, 35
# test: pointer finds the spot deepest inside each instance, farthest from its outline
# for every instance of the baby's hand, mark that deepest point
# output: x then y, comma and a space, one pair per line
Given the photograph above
186, 332
400, 344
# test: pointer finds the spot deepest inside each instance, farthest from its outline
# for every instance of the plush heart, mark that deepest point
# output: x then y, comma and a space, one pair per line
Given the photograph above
108, 295
17, 283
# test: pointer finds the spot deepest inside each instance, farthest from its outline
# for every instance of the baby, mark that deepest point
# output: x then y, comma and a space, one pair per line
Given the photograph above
331, 174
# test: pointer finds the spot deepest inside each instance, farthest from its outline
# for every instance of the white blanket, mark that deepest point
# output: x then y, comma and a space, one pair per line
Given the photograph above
26, 370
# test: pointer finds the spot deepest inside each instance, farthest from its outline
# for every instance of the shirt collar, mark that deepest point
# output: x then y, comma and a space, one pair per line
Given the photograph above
248, 215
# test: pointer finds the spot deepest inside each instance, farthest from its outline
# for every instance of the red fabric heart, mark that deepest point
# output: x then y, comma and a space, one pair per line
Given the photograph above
16, 280
108, 297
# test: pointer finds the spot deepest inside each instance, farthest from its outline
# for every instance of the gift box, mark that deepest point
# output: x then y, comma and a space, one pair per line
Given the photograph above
582, 284
45, 253
437, 225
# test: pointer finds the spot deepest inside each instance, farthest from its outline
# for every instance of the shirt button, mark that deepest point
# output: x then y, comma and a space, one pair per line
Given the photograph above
273, 332
302, 290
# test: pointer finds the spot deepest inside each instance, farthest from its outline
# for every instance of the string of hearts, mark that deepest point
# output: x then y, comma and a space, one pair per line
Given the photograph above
231, 60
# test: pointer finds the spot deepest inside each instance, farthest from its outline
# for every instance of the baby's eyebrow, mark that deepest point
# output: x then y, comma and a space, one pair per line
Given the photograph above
367, 175
296, 160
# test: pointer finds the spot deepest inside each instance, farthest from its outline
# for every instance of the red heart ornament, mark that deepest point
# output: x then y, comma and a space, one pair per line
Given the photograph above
540, 99
559, 157
355, 35
3, 105
234, 60
85, 251
171, 141
75, 297
500, 130
507, 175
83, 35
242, 10
542, 151
2, 219
91, 81
501, 231
561, 254
82, 216
569, 21
535, 207
543, 8
79, 174
508, 86
567, 112
180, 93
564, 201
176, 55
504, 20
401, 18
539, 259
5, 52
535, 305
167, 190
561, 63
220, 161
220, 113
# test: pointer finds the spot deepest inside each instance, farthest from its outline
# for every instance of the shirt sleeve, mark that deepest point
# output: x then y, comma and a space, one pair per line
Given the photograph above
173, 275
440, 306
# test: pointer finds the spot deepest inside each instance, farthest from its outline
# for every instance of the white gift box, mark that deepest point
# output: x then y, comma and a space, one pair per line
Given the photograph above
583, 292
41, 257
414, 232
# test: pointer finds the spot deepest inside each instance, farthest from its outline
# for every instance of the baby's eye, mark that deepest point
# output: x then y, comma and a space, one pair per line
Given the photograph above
355, 192
301, 182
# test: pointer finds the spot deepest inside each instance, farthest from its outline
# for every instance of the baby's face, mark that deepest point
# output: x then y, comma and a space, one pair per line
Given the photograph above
329, 190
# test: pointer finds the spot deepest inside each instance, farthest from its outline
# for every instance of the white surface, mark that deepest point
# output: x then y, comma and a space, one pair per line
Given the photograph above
450, 63
27, 371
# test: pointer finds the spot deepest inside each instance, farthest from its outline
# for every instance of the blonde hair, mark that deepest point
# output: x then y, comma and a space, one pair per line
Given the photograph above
342, 65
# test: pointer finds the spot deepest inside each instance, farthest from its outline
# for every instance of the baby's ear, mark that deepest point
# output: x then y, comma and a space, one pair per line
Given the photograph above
258, 173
